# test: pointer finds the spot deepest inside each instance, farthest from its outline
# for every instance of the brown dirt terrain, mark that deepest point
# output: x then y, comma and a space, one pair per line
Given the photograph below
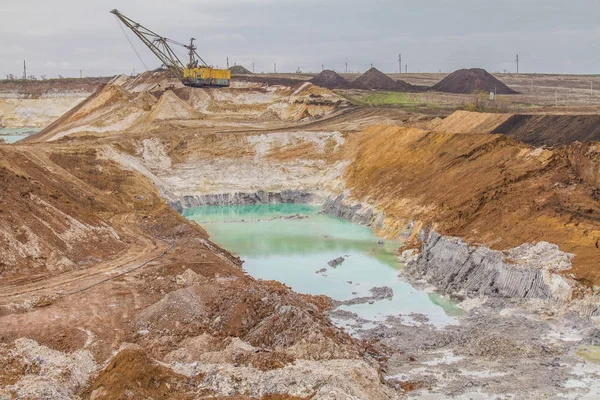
485, 188
35, 89
155, 265
145, 287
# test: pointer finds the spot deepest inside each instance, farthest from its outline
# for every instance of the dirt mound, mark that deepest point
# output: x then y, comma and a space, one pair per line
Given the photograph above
131, 374
374, 79
172, 107
467, 81
470, 122
183, 305
329, 79
148, 81
239, 70
551, 130
145, 101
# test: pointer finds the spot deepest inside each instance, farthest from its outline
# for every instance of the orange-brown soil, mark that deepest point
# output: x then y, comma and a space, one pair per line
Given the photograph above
485, 188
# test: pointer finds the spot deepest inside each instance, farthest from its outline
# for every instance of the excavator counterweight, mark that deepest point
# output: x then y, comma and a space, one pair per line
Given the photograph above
196, 73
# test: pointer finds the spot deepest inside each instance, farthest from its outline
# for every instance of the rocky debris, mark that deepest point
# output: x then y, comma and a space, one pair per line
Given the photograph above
542, 255
345, 315
335, 262
189, 277
496, 340
304, 379
408, 256
329, 79
180, 306
382, 292
472, 80
378, 293
48, 373
239, 70
523, 272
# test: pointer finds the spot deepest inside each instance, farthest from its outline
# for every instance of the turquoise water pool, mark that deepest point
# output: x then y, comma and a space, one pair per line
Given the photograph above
290, 243
12, 135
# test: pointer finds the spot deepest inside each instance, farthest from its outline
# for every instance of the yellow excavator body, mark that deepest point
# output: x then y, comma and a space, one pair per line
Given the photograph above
206, 76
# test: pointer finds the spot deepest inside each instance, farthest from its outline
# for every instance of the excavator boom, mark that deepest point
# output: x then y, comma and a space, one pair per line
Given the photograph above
196, 73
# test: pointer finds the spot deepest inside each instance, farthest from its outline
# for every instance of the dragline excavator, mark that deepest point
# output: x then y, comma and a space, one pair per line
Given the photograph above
196, 73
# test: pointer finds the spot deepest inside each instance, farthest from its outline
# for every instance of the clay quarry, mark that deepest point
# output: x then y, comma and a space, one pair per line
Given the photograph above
301, 236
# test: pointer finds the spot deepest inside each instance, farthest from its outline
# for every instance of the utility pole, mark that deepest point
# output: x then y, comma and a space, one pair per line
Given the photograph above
227, 62
346, 67
80, 74
517, 64
406, 68
275, 67
400, 63
24, 70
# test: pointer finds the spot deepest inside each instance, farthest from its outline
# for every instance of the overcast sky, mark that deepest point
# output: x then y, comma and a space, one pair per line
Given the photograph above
64, 36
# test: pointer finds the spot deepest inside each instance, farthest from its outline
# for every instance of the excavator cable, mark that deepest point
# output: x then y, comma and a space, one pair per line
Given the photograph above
131, 43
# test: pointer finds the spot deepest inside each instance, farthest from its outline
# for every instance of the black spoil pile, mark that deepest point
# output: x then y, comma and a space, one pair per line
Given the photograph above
472, 80
329, 79
239, 70
374, 79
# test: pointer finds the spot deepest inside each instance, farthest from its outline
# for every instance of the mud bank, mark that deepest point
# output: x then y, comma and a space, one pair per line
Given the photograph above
502, 348
241, 198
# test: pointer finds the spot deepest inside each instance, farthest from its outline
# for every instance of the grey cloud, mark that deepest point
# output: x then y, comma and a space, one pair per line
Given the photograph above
63, 36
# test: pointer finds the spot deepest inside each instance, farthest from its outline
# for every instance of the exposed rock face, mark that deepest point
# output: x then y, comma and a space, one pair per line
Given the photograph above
357, 213
229, 199
521, 272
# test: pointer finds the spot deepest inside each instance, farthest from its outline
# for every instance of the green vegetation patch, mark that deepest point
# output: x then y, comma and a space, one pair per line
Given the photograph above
388, 99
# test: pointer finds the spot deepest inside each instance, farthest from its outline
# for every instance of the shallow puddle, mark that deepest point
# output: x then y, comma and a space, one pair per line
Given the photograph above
293, 243
12, 135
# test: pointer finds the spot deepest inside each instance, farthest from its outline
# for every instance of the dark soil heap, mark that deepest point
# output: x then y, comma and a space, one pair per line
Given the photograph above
329, 79
374, 79
467, 81
239, 70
